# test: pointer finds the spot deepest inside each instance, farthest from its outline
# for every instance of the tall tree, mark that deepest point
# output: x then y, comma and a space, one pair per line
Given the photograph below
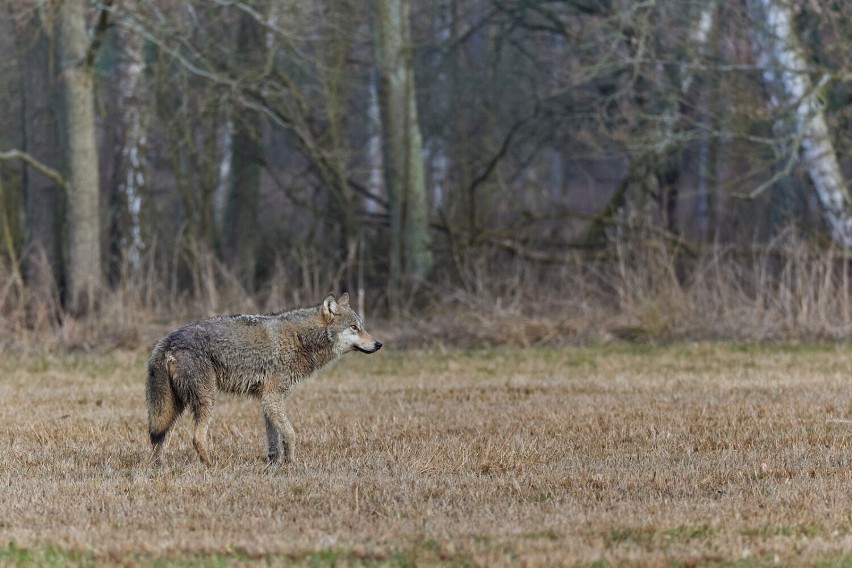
76, 58
410, 256
785, 66
240, 227
43, 198
126, 235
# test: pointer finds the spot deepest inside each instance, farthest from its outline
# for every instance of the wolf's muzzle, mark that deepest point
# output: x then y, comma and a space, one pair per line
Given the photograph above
376, 346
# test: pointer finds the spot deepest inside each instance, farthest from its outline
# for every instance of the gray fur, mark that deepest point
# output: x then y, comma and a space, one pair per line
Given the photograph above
262, 356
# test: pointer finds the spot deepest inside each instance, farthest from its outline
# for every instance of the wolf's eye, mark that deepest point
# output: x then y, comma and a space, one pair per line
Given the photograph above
353, 327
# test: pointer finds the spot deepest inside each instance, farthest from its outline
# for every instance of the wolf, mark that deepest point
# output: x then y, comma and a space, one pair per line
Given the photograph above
261, 356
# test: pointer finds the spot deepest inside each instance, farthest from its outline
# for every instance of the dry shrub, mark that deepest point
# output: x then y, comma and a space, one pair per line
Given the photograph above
648, 291
790, 289
159, 292
27, 311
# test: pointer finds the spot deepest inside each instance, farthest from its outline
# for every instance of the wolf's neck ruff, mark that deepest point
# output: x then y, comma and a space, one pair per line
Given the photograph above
317, 350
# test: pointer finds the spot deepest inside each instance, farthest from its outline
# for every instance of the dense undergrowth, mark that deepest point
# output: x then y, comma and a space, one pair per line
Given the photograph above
792, 290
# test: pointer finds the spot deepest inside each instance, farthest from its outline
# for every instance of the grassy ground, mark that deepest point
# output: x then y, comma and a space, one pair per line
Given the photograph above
687, 454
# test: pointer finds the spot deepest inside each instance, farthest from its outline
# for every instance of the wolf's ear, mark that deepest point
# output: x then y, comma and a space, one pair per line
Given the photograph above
329, 308
343, 300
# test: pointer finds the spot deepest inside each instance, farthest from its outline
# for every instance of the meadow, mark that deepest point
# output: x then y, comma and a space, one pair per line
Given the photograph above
685, 454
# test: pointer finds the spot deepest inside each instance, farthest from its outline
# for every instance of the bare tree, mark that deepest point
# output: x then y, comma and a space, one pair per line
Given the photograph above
240, 232
43, 196
76, 58
785, 66
410, 257
127, 231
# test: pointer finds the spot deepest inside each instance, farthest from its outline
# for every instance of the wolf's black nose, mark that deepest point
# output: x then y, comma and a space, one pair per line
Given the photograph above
378, 345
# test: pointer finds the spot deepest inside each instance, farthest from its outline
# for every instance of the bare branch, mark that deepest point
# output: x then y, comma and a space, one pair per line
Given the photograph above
31, 161
501, 152
98, 33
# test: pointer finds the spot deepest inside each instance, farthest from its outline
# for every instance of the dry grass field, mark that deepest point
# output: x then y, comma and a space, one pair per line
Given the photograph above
612, 455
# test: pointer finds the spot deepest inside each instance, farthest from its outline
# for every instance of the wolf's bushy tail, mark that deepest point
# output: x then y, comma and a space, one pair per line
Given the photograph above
164, 406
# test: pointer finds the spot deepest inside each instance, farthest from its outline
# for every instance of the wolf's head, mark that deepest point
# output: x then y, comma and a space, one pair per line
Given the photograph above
345, 328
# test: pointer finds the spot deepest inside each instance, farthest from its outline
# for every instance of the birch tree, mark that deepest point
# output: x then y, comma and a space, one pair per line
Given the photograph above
785, 66
132, 170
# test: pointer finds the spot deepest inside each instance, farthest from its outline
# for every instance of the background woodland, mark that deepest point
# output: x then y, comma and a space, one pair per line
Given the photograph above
499, 171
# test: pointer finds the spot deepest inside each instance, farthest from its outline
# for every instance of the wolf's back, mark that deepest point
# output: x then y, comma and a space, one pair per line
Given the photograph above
163, 403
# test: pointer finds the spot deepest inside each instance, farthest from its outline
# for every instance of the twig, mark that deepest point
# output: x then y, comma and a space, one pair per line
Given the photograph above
98, 33
30, 160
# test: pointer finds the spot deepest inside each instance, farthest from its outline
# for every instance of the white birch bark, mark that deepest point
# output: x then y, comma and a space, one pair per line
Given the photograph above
439, 166
375, 163
132, 87
225, 152
667, 135
783, 61
700, 38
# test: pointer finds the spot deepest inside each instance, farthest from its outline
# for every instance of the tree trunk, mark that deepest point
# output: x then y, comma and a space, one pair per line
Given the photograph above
667, 160
410, 257
240, 229
81, 158
241, 213
706, 154
125, 219
784, 61
335, 80
416, 235
43, 198
375, 163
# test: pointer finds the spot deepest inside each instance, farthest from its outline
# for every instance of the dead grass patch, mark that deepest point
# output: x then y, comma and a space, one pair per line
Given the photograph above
692, 454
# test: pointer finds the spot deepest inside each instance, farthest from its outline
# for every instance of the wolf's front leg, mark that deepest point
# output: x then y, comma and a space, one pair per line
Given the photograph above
277, 421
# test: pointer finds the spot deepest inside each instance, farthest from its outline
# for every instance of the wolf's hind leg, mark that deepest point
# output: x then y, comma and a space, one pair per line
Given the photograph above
273, 412
160, 430
203, 415
164, 408
273, 440
158, 441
